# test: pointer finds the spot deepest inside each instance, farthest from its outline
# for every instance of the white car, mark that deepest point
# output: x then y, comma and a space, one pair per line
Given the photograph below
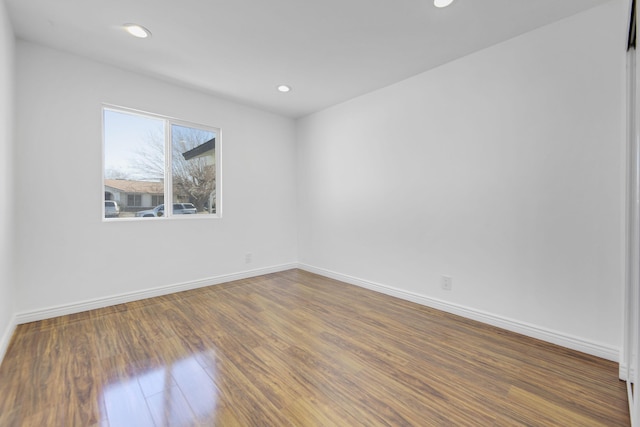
187, 208
111, 209
158, 211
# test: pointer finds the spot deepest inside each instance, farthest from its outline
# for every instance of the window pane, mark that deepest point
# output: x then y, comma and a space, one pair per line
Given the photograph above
193, 169
133, 161
150, 160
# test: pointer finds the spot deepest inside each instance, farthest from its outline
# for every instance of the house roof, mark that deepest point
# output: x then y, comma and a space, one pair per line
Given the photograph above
200, 150
127, 186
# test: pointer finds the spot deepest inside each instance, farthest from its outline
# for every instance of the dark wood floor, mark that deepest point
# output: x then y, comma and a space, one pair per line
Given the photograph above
295, 349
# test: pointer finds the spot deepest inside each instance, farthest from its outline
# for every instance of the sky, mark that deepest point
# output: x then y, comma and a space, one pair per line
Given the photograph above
126, 135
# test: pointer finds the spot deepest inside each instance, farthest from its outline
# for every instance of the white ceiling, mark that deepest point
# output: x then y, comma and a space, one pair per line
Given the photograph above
328, 50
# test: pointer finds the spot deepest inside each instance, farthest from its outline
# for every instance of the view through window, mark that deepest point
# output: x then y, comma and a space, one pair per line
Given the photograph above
150, 160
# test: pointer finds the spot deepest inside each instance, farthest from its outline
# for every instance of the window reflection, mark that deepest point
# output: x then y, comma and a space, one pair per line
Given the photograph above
174, 394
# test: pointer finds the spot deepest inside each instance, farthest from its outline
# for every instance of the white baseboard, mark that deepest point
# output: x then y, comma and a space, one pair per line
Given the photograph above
622, 372
77, 307
559, 338
626, 374
6, 337
565, 340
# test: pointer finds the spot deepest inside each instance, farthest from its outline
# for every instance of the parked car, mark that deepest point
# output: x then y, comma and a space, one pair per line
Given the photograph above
111, 209
178, 209
187, 208
155, 212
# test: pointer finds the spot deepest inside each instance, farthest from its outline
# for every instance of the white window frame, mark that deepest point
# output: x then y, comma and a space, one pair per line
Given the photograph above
168, 167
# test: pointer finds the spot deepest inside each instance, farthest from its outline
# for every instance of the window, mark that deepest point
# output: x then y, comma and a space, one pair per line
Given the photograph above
134, 200
150, 159
157, 200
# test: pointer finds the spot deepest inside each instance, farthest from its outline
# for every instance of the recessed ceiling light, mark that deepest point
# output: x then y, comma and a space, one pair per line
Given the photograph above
137, 30
442, 3
284, 88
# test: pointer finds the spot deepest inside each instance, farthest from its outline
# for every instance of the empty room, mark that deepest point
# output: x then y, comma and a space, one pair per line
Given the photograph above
336, 213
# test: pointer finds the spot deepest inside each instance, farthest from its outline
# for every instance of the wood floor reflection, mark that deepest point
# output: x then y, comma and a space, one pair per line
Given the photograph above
295, 349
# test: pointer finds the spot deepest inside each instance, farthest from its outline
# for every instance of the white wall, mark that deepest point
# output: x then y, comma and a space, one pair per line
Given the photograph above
504, 170
7, 284
67, 254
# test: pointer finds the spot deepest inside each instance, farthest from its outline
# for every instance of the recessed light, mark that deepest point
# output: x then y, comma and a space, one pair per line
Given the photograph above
284, 88
137, 31
442, 3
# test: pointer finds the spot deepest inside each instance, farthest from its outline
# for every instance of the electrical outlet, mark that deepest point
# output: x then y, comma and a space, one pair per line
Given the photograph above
248, 257
446, 282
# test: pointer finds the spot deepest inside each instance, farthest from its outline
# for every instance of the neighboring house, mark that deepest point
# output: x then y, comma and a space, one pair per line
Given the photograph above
205, 149
134, 195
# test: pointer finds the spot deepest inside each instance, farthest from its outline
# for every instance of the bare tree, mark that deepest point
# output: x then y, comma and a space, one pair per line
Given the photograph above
116, 174
149, 159
194, 179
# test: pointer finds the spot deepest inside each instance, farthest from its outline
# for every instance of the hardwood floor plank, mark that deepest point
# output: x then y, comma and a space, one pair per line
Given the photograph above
536, 410
295, 349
